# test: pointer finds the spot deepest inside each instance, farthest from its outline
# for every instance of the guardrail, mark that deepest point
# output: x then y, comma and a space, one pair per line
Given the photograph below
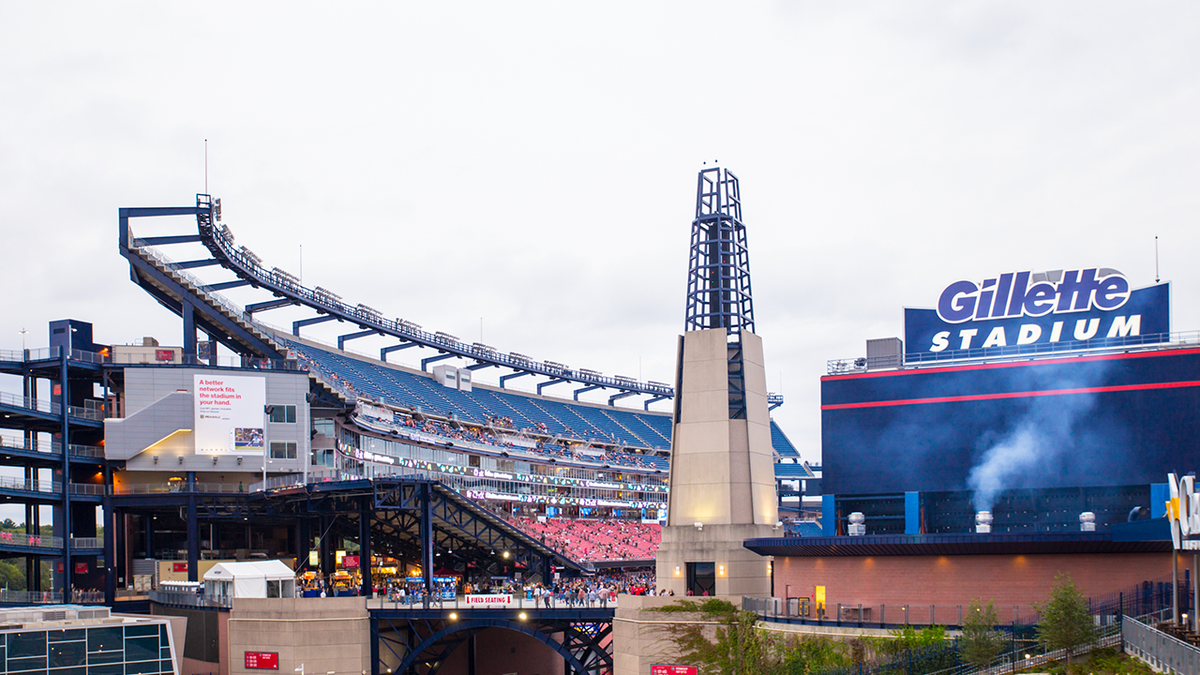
1164, 652
19, 483
31, 540
50, 448
39, 405
48, 353
180, 487
189, 600
1179, 339
518, 601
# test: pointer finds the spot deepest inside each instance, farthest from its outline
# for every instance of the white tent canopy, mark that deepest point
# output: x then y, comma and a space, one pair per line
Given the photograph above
252, 579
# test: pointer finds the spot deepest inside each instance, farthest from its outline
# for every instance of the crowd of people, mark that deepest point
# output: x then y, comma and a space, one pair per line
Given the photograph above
595, 540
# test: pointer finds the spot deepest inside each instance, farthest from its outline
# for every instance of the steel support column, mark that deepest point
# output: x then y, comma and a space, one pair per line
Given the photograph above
193, 530
439, 357
551, 383
296, 325
343, 339
64, 401
505, 378
584, 390
395, 348
188, 310
427, 538
110, 542
365, 514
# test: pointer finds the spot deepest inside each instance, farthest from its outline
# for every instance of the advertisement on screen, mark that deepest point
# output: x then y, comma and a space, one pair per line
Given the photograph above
1026, 312
229, 417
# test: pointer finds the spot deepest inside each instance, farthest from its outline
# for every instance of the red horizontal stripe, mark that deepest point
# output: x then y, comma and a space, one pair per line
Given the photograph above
1014, 394
932, 367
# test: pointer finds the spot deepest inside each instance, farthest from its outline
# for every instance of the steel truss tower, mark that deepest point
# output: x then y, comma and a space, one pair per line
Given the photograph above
718, 287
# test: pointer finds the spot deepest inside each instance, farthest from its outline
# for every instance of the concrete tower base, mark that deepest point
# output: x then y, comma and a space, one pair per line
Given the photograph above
739, 571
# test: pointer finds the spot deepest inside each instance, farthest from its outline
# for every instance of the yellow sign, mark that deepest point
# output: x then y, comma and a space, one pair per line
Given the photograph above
819, 595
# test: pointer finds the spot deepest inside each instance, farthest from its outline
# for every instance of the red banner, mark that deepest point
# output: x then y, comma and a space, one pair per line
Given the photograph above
179, 567
350, 561
164, 354
81, 568
673, 670
262, 660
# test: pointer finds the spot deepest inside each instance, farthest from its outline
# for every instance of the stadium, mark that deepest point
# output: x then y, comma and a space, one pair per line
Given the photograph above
983, 454
251, 442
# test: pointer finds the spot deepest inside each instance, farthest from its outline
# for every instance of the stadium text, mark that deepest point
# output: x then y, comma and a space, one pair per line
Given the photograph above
1030, 333
1011, 295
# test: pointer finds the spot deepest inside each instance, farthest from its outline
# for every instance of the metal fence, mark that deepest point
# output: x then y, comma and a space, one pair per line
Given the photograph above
185, 599
1164, 653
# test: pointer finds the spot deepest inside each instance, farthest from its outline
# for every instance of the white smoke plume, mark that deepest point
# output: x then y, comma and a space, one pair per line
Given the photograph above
1005, 463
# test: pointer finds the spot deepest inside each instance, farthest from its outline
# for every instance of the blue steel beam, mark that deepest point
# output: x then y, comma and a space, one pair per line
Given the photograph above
656, 399
226, 285
584, 390
193, 264
309, 322
551, 383
439, 357
269, 304
395, 348
612, 400
506, 378
481, 365
343, 339
173, 239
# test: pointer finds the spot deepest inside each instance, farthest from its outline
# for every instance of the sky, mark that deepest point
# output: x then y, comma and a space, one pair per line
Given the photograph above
523, 174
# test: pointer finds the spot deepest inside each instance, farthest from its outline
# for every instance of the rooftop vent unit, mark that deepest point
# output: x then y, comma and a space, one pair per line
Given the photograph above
983, 522
858, 524
1087, 522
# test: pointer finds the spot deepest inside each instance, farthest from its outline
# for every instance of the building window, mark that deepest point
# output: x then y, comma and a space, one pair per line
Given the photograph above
283, 414
283, 450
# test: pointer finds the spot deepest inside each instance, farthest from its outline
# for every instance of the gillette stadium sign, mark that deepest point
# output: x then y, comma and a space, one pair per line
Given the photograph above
1024, 312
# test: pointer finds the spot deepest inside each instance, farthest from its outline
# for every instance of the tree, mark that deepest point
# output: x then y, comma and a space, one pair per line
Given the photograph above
1066, 622
981, 643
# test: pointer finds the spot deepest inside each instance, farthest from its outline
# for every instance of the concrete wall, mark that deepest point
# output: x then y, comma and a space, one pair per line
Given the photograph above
641, 636
948, 581
325, 634
155, 406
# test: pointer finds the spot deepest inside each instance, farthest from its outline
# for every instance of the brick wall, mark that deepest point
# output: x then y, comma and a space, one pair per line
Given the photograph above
954, 580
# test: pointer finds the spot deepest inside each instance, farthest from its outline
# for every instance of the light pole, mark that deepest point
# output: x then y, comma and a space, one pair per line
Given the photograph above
267, 410
300, 669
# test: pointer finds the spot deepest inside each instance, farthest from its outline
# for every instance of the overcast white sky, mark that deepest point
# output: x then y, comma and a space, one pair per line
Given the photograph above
533, 165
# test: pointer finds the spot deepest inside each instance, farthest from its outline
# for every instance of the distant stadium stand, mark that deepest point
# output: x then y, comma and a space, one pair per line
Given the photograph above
361, 376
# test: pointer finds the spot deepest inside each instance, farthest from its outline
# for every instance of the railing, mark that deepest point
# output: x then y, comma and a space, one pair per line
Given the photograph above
519, 601
87, 489
35, 445
181, 487
47, 353
1164, 652
31, 597
87, 542
39, 405
188, 599
1023, 352
32, 540
19, 483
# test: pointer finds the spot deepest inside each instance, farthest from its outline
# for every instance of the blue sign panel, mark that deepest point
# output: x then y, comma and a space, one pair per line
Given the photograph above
1020, 312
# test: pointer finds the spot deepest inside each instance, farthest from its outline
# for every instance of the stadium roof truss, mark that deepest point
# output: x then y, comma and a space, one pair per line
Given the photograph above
202, 308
